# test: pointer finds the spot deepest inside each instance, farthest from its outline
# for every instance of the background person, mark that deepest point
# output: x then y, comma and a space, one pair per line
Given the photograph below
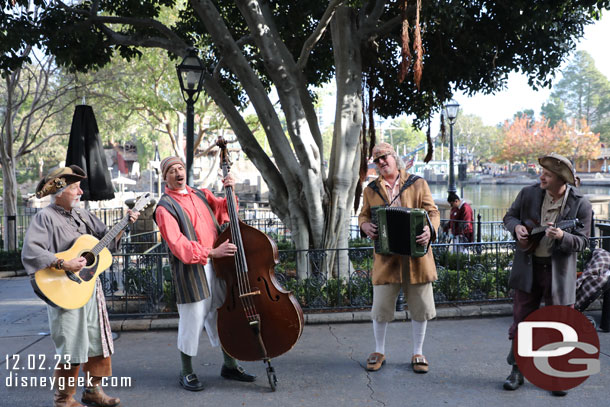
460, 220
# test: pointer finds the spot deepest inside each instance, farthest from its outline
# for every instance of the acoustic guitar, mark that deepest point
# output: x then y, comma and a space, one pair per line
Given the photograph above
65, 289
536, 233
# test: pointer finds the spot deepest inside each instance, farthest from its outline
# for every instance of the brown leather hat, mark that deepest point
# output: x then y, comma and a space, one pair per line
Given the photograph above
58, 179
559, 165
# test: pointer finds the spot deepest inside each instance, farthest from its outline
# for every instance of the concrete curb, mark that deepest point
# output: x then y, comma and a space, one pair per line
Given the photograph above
449, 312
458, 311
8, 274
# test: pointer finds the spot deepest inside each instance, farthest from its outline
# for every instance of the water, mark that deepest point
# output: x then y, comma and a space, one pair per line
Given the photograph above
485, 196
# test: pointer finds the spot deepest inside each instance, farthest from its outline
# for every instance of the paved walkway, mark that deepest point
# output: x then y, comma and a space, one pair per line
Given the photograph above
325, 368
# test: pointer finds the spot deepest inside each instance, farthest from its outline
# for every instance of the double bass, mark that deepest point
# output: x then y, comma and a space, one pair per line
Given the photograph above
259, 320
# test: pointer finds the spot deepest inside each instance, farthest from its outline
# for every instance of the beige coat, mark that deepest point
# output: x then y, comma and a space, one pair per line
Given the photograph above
387, 268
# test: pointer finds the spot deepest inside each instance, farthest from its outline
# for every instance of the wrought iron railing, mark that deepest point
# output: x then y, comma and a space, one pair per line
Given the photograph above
140, 284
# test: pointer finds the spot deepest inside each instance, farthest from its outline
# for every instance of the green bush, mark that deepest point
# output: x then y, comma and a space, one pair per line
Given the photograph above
10, 260
169, 294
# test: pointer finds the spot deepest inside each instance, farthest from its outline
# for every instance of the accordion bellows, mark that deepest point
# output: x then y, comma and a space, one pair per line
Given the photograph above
397, 228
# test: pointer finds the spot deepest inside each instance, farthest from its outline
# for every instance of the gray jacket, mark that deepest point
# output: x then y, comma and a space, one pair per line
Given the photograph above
527, 205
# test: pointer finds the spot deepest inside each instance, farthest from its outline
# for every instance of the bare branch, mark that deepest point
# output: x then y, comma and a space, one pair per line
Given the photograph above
387, 27
43, 141
313, 39
169, 40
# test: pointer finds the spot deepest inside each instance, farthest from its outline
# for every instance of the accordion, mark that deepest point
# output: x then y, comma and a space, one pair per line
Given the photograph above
397, 228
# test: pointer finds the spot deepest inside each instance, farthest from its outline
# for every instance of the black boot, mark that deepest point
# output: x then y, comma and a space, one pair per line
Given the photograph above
514, 379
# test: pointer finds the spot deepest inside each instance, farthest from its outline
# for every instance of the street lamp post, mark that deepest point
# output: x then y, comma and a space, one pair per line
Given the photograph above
451, 111
190, 75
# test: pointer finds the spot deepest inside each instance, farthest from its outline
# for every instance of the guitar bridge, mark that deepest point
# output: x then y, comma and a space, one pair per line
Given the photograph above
73, 277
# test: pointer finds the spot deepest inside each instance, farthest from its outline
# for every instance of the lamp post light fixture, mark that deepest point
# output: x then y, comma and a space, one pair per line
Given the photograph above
190, 75
451, 112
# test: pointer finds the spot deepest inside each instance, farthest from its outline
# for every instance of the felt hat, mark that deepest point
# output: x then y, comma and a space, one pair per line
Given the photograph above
59, 178
382, 149
559, 165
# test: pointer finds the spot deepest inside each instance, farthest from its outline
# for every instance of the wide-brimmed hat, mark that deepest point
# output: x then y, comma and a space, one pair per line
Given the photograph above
168, 162
59, 178
561, 166
382, 149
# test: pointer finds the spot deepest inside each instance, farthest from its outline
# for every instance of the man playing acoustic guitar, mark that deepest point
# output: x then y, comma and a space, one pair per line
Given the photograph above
82, 335
547, 270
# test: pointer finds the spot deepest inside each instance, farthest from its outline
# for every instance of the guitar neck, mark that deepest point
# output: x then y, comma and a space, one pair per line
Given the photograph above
565, 224
111, 235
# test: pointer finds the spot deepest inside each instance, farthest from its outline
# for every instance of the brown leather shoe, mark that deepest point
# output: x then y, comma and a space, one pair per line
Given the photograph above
375, 361
63, 399
419, 364
95, 396
64, 394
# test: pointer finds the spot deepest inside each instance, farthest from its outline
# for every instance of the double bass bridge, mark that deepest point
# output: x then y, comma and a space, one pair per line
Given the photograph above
251, 293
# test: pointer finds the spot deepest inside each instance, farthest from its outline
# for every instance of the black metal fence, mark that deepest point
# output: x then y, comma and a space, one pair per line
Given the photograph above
19, 223
139, 281
141, 284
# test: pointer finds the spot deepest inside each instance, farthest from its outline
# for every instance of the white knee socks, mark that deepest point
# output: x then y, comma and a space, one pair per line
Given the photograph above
379, 329
419, 333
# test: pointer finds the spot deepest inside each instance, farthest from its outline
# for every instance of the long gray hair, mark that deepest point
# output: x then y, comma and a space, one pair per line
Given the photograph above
57, 194
400, 164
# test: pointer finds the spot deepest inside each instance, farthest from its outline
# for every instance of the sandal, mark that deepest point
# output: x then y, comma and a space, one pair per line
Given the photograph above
419, 364
375, 361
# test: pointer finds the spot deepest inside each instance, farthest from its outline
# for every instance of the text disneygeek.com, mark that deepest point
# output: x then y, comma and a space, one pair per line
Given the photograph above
38, 371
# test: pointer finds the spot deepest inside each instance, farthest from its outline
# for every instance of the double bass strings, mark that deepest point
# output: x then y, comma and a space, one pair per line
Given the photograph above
240, 262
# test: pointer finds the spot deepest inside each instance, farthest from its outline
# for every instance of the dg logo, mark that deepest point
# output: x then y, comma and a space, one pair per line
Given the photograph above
557, 348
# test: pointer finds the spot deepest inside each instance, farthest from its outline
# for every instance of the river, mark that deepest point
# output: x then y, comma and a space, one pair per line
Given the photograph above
497, 196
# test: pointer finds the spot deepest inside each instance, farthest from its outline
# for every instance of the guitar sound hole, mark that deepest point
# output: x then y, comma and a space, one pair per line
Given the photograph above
90, 257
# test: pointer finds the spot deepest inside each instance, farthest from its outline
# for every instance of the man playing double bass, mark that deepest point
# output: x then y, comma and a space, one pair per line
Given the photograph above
549, 271
189, 220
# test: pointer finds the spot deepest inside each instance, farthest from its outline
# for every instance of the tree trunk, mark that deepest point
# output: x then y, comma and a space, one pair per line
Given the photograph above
9, 199
345, 158
7, 160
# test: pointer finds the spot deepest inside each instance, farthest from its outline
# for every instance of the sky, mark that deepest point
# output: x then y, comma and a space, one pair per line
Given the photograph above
518, 96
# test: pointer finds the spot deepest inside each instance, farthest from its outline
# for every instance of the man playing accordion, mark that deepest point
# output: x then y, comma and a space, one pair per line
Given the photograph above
395, 187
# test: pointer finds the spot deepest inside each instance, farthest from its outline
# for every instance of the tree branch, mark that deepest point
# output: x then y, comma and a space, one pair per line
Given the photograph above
319, 31
253, 150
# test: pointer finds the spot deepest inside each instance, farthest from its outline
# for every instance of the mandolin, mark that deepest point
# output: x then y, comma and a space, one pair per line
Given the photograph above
536, 233
65, 289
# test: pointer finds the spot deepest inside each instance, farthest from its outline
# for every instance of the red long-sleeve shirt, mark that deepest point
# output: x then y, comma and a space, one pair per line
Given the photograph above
192, 252
461, 221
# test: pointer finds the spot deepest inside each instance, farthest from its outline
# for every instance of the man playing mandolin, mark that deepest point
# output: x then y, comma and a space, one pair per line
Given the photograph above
82, 335
188, 220
546, 269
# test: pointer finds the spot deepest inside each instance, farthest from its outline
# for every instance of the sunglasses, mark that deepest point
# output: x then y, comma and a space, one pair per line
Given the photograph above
376, 160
